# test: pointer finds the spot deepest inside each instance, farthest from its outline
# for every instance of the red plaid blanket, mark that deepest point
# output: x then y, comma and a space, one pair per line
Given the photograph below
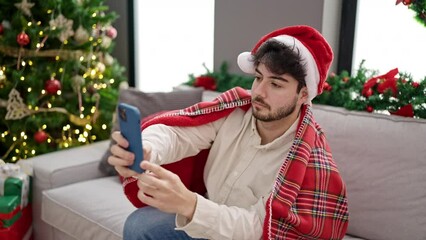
308, 200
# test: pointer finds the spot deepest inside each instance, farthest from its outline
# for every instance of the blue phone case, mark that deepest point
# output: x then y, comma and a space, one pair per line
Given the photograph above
130, 120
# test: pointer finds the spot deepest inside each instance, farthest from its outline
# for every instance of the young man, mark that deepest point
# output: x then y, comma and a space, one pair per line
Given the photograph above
269, 172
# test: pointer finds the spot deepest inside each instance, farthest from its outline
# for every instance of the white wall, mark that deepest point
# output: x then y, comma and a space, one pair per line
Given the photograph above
388, 37
173, 39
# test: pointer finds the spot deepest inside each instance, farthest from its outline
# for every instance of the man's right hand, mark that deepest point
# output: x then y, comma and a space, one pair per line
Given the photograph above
120, 158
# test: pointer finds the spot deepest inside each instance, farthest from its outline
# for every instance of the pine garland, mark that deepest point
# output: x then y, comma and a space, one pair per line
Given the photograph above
418, 6
365, 91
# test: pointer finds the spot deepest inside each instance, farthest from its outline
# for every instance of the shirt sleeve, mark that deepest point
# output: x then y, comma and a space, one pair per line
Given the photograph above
170, 144
215, 221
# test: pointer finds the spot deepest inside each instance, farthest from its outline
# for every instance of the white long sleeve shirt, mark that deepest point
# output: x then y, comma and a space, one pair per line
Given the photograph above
239, 172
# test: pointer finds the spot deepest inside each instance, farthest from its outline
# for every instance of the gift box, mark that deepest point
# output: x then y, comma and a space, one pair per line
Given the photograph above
13, 182
15, 210
10, 211
21, 229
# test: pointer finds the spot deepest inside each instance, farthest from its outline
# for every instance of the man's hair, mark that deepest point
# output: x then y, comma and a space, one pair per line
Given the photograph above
281, 59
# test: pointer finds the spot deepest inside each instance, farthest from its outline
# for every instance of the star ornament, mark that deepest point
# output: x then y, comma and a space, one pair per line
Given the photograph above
65, 26
25, 7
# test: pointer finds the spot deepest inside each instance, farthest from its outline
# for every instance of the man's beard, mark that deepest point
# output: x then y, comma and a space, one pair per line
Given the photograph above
279, 114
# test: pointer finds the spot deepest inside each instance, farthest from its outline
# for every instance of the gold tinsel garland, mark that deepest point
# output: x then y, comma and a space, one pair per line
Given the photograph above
61, 53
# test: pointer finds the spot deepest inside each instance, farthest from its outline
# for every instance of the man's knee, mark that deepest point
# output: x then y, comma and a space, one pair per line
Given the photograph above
147, 223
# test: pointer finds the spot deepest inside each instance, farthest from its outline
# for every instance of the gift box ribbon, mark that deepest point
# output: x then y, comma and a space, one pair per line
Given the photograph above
14, 182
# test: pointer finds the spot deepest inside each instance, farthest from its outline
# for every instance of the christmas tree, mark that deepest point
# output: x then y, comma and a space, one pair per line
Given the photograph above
58, 82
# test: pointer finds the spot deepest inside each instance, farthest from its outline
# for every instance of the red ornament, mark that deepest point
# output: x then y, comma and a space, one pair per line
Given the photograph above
405, 111
327, 86
1, 29
207, 82
367, 93
415, 84
40, 136
370, 109
23, 39
406, 2
111, 32
52, 86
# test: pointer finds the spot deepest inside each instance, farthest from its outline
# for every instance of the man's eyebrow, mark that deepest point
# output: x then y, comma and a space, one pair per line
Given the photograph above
273, 76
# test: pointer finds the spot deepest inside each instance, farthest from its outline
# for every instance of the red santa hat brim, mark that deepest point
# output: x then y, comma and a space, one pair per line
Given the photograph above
312, 47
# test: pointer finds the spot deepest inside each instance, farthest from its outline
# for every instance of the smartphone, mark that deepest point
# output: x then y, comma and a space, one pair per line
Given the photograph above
129, 119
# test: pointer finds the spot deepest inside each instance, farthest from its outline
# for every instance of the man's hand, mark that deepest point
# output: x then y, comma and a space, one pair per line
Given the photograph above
121, 159
164, 190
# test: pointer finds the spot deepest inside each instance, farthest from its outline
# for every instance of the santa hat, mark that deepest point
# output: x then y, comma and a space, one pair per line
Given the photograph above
313, 48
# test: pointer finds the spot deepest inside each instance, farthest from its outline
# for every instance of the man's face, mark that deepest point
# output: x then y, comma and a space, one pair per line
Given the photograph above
275, 97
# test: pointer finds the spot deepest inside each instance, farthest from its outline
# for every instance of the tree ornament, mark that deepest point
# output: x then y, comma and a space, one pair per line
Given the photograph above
65, 25
405, 111
25, 7
101, 67
111, 32
91, 89
406, 2
327, 86
370, 109
81, 35
23, 39
368, 93
52, 86
106, 42
16, 108
207, 82
415, 84
108, 59
40, 136
1, 29
76, 82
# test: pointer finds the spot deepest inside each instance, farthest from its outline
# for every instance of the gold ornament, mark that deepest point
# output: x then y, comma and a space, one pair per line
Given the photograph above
81, 35
16, 108
25, 7
65, 25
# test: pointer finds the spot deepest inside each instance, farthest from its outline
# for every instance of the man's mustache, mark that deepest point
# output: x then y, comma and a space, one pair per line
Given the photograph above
260, 101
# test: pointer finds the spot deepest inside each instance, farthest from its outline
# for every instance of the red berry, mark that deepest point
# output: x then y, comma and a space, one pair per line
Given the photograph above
370, 109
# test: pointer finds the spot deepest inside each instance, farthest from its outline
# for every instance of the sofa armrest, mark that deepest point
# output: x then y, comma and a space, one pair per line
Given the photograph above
68, 166
56, 169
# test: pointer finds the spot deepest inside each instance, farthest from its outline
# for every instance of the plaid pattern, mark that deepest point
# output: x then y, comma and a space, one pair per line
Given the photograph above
308, 200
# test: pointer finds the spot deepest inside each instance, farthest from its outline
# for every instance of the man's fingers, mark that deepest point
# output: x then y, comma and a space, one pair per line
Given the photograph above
158, 170
122, 153
125, 171
119, 139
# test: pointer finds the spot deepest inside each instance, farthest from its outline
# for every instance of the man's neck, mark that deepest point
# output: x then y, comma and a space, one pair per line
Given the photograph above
269, 131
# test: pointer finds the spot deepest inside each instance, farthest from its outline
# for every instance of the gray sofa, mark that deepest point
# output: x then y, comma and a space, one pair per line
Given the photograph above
382, 159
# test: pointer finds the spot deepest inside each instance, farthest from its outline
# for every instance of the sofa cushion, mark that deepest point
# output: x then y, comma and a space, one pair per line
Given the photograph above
149, 103
94, 209
383, 162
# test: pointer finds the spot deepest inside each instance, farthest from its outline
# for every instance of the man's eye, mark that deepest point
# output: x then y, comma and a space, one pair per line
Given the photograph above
275, 85
256, 78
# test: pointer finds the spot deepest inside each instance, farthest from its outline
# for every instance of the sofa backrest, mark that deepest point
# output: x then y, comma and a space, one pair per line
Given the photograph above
383, 162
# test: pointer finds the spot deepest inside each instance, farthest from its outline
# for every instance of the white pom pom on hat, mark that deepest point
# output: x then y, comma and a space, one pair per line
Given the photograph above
311, 45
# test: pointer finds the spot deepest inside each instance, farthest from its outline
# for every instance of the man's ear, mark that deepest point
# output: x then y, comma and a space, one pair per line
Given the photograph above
303, 94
